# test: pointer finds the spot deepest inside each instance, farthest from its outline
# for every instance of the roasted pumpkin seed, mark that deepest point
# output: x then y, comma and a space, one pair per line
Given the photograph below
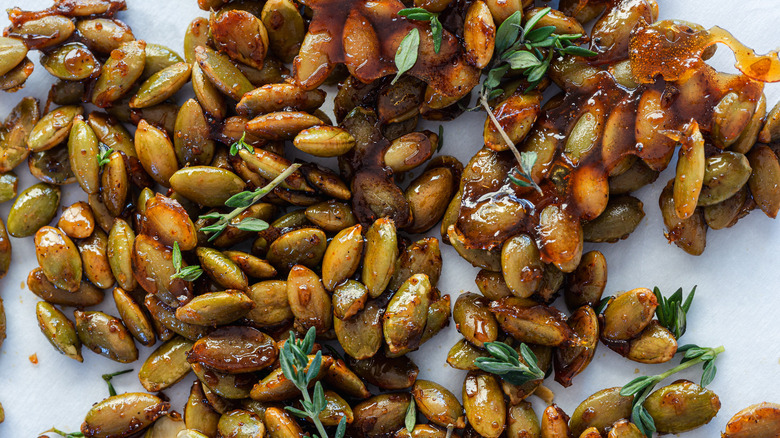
106, 336
58, 330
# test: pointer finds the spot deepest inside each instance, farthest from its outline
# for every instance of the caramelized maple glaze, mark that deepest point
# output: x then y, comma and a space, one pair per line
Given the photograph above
676, 88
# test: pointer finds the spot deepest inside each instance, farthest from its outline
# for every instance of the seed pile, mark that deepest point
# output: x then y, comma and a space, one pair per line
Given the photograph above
248, 268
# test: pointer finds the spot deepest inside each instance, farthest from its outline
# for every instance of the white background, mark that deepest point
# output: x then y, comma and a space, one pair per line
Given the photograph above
737, 277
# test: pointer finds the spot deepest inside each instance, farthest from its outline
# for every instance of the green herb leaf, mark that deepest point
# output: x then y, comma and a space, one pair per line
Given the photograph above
672, 312
505, 362
241, 199
602, 305
104, 152
252, 224
440, 143
107, 378
406, 55
507, 32
410, 420
530, 24
176, 257
578, 51
64, 434
236, 147
539, 34
419, 14
186, 273
436, 33
341, 429
522, 59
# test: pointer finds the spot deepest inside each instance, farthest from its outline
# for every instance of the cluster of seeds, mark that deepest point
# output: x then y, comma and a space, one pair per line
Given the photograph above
257, 273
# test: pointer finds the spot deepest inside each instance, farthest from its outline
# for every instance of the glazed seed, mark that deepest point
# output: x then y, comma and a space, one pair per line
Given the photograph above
304, 246
586, 284
191, 137
479, 34
225, 76
619, 219
215, 308
161, 85
324, 141
71, 62
462, 355
53, 128
522, 422
691, 166
197, 34
628, 314
757, 421
521, 265
240, 424
474, 320
234, 350
270, 165
555, 423
407, 152
282, 125
153, 270
58, 330
331, 216
421, 257
166, 365
221, 269
361, 337
77, 221
165, 427
285, 28
59, 258
120, 252
529, 323
438, 404
122, 415
681, 406
279, 424
8, 185
166, 317
209, 97
764, 182
33, 208
571, 361
625, 429
492, 285
47, 31
94, 259
560, 238
690, 234
484, 404
656, 344
308, 299
87, 295
230, 386
134, 317
406, 314
277, 97
600, 410
380, 415
106, 336
342, 257
114, 183
83, 150
158, 58
276, 387
121, 70
12, 52
15, 79
166, 220
5, 250
198, 413
349, 298
381, 256
156, 153
438, 317
725, 214
103, 34
724, 175
112, 134
428, 196
208, 186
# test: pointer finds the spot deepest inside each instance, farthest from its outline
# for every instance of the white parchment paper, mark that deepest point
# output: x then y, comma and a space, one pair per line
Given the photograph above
738, 277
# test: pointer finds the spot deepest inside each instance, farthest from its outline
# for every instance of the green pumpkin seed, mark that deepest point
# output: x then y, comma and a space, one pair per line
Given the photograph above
52, 166
5, 250
561, 238
59, 330
241, 35
586, 284
270, 165
8, 185
198, 414
83, 151
756, 421
529, 323
161, 85
271, 305
156, 153
484, 404
197, 34
689, 175
240, 424
361, 337
215, 308
221, 269
208, 95
619, 219
106, 336
349, 298
764, 182
112, 134
726, 213
277, 97
486, 259
554, 422
166, 317
191, 137
208, 186
114, 183
165, 427
120, 252
94, 259
72, 62
12, 52
324, 141
134, 317
462, 355
276, 387
342, 257
58, 258
522, 422
656, 344
625, 429
121, 70
380, 415
421, 257
438, 404
689, 234
628, 314
87, 295
166, 220
571, 361
381, 256
235, 350
406, 314
279, 424
438, 317
282, 125
222, 73
166, 365
122, 415
230, 386
327, 182
336, 408
474, 320
751, 132
251, 265
429, 195
492, 285
681, 406
104, 34
34, 208
285, 28
331, 216
521, 265
730, 117
305, 246
309, 301
53, 128
341, 378
158, 58
600, 410
153, 268
15, 79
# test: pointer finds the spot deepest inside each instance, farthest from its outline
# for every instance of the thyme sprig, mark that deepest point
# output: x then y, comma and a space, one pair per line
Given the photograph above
505, 362
294, 358
236, 147
104, 152
63, 434
107, 378
186, 273
420, 14
641, 387
240, 202
672, 312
